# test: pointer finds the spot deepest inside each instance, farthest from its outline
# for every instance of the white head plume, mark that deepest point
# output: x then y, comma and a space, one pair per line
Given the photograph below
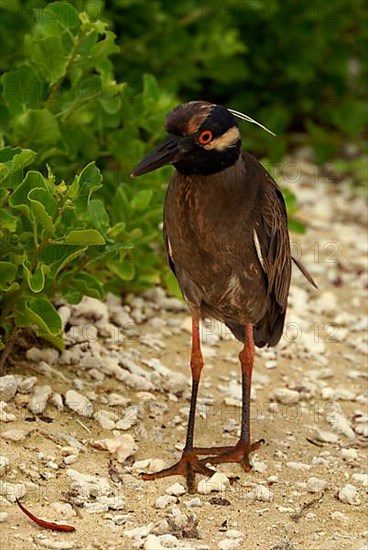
247, 118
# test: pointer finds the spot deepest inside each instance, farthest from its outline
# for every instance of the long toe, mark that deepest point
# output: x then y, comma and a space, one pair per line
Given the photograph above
188, 466
238, 453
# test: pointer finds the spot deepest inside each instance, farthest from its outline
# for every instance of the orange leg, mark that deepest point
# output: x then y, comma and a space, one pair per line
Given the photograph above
240, 452
189, 464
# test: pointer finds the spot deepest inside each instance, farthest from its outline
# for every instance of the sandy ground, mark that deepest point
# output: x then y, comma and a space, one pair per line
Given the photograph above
308, 487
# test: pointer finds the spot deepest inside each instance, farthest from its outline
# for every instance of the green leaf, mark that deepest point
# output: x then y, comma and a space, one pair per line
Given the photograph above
151, 91
105, 47
89, 181
43, 206
37, 128
57, 256
7, 220
19, 198
36, 280
61, 13
73, 189
41, 313
87, 237
118, 229
142, 199
8, 272
88, 285
124, 270
48, 54
22, 89
22, 159
111, 101
13, 160
98, 214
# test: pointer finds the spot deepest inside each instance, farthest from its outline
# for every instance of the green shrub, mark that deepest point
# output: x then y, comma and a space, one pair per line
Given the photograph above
298, 66
68, 121
72, 222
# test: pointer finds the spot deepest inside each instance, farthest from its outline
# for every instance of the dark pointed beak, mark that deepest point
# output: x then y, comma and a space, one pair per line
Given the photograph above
168, 152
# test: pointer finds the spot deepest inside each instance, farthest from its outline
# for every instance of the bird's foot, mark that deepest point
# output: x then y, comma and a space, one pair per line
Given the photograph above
188, 466
238, 453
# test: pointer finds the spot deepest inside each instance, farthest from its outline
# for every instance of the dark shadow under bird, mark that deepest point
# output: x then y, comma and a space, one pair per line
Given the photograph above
227, 242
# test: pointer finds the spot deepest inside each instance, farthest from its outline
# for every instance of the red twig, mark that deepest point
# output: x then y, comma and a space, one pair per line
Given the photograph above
45, 524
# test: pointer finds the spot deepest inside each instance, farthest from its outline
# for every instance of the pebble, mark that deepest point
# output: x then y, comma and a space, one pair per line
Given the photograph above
285, 509
258, 466
38, 402
349, 495
12, 491
63, 509
70, 459
325, 436
152, 542
338, 394
177, 490
129, 420
139, 532
3, 516
87, 485
121, 446
117, 400
149, 465
339, 422
228, 544
49, 355
103, 503
172, 381
65, 313
309, 343
339, 516
26, 385
56, 544
316, 485
8, 387
4, 465
262, 493
327, 302
349, 454
362, 429
4, 415
164, 501
217, 482
286, 396
193, 502
14, 435
298, 466
361, 478
105, 419
57, 401
78, 403
132, 380
91, 308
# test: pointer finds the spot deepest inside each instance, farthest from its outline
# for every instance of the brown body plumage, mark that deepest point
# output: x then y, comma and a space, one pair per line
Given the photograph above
228, 244
227, 241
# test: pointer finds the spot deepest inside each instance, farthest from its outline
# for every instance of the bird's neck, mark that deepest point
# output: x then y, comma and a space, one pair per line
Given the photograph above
211, 162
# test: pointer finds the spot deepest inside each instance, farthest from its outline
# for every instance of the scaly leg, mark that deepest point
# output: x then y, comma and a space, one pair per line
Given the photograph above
189, 464
240, 452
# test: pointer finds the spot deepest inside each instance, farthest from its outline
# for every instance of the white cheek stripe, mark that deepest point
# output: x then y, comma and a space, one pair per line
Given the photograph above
258, 249
226, 140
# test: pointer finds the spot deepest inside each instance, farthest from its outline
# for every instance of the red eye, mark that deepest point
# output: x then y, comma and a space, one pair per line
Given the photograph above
205, 137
